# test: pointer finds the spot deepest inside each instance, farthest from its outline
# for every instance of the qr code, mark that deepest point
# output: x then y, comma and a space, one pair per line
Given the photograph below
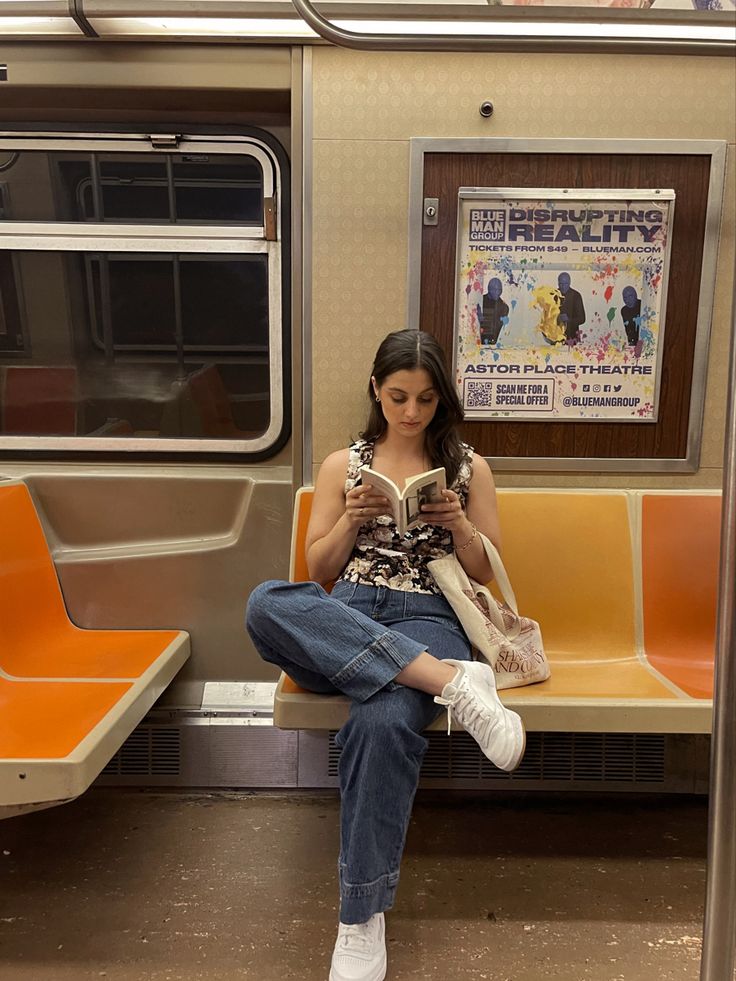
478, 394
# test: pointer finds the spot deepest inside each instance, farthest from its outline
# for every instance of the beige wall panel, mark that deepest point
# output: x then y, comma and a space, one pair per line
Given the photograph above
148, 66
393, 96
367, 106
360, 251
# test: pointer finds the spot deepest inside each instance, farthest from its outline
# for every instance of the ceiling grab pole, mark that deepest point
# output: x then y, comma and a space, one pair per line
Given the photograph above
719, 938
485, 42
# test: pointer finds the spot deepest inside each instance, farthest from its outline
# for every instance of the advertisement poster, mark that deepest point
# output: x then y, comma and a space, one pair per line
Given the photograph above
560, 303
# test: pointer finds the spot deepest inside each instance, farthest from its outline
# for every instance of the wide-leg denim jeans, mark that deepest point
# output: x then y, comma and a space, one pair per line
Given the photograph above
356, 640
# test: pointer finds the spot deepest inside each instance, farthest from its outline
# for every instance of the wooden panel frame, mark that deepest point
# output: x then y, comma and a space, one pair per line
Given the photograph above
696, 170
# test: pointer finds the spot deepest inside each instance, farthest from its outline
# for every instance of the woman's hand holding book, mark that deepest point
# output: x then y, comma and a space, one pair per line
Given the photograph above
362, 505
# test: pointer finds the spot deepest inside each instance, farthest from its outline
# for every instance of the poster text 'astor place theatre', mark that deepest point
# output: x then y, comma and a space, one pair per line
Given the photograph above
560, 302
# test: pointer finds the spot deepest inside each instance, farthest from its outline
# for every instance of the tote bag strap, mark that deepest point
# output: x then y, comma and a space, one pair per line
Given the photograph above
499, 573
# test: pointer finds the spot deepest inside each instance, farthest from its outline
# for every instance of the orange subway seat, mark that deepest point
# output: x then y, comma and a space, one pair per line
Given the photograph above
291, 686
569, 557
298, 571
38, 638
680, 550
49, 719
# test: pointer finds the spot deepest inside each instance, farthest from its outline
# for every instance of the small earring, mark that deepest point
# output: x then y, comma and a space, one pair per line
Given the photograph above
377, 399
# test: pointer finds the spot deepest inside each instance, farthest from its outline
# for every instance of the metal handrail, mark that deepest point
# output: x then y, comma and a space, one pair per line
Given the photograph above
542, 30
472, 42
719, 936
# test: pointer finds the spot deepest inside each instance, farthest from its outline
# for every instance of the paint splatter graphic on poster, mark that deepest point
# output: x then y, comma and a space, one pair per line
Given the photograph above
560, 302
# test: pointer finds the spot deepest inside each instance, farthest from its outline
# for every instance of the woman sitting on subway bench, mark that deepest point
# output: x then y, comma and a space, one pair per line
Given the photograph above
385, 636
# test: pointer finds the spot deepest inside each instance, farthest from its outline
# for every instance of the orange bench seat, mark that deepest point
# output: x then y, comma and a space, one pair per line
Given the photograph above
680, 553
38, 638
69, 697
49, 719
576, 560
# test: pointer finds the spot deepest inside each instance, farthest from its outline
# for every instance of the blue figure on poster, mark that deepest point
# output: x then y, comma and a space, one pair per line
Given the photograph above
493, 314
631, 314
572, 311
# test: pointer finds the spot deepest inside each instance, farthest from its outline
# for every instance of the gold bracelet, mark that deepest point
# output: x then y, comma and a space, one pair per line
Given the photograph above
460, 548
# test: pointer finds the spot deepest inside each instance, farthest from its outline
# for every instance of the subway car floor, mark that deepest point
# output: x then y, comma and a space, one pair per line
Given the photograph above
135, 885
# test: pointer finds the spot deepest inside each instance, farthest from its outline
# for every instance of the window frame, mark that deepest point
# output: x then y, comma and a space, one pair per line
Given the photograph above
172, 238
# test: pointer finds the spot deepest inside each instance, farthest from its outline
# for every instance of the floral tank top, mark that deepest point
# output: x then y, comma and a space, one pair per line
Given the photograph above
380, 557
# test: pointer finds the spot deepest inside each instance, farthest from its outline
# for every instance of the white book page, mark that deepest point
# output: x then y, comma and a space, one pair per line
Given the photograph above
423, 488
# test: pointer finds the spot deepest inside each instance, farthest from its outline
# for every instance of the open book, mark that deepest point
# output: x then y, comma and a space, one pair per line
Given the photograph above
406, 504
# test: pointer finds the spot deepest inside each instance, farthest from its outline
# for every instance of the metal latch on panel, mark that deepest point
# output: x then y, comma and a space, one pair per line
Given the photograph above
269, 219
431, 210
164, 141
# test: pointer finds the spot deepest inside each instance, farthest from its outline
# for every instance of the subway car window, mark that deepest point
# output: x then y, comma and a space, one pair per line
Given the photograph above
171, 339
158, 302
130, 187
153, 346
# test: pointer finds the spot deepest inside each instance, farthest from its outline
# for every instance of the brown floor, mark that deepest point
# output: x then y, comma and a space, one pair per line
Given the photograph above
139, 886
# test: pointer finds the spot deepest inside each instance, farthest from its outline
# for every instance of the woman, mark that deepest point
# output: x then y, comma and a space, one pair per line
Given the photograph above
386, 636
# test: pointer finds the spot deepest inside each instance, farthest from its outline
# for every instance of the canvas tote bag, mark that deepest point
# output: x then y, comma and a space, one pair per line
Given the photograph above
510, 643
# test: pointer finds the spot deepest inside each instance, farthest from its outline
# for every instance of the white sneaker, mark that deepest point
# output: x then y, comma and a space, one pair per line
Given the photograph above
472, 700
360, 951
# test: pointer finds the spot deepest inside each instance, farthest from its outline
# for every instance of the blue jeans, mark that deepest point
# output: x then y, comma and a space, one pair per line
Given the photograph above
356, 640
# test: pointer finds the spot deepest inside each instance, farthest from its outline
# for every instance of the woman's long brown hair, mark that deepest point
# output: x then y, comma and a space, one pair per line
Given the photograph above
406, 350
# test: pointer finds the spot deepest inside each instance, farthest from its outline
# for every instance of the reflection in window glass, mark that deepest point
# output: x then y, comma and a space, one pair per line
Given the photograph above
132, 301
130, 190
12, 340
223, 189
235, 196
102, 354
225, 302
157, 301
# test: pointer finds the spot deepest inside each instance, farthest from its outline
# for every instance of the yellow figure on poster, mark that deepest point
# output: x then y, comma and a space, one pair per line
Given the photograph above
547, 300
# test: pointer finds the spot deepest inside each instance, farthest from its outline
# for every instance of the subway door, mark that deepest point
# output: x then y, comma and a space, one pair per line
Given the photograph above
502, 439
